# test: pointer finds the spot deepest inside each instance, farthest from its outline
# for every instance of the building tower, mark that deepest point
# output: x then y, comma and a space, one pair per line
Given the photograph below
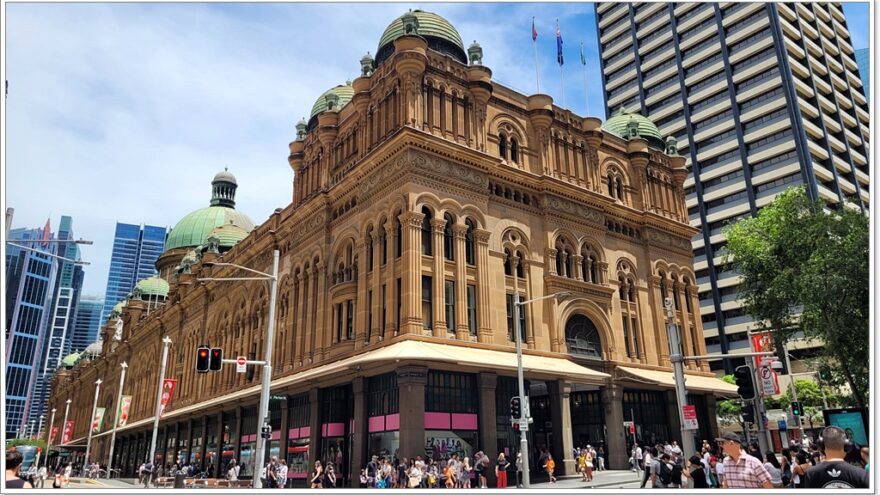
85, 324
135, 251
760, 97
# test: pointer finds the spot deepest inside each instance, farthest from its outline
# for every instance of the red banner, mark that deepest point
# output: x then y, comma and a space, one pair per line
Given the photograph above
52, 434
762, 342
167, 392
67, 436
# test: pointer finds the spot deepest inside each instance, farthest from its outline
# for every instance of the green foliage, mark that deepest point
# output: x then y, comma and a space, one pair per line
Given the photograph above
26, 441
806, 268
729, 411
810, 395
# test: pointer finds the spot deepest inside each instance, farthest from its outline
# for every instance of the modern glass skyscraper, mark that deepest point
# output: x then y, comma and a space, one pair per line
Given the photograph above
760, 97
863, 60
135, 250
30, 285
86, 324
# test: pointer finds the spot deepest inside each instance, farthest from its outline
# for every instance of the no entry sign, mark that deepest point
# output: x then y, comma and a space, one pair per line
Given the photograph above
241, 364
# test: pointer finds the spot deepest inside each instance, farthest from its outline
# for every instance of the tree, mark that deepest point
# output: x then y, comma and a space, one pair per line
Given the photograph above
810, 394
729, 411
805, 267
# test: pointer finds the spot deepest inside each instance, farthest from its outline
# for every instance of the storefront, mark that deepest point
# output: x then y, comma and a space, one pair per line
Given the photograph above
336, 431
383, 416
298, 434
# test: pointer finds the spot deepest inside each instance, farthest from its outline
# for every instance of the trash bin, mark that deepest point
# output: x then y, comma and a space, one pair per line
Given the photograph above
178, 479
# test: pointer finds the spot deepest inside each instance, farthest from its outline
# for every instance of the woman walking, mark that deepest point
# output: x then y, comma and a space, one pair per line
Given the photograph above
317, 476
501, 471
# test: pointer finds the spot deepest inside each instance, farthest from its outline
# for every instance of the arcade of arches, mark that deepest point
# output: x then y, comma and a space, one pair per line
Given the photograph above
426, 196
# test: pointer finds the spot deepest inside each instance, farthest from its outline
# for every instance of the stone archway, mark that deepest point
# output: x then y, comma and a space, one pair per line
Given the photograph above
582, 337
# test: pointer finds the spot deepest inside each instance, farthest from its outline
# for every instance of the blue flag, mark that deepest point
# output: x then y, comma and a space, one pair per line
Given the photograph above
558, 44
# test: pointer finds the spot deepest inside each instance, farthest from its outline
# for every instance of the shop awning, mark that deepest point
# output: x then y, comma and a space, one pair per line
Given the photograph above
691, 382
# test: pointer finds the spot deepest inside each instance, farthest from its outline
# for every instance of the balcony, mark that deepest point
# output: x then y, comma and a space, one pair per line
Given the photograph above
830, 123
817, 150
614, 32
841, 165
613, 15
836, 144
648, 10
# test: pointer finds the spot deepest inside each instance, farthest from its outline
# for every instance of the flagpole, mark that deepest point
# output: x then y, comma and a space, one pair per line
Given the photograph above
586, 94
562, 81
535, 46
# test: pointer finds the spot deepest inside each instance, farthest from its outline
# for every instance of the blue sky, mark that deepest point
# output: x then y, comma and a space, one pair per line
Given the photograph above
125, 111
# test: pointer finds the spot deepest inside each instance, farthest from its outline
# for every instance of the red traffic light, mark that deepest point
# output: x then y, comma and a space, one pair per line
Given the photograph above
202, 359
216, 359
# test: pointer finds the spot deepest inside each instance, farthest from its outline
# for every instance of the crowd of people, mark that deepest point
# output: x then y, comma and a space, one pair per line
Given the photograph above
731, 463
455, 471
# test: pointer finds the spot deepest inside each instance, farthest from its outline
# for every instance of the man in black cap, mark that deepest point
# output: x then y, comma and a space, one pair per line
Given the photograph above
740, 469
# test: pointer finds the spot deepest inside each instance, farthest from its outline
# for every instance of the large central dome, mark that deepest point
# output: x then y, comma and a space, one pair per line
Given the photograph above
440, 34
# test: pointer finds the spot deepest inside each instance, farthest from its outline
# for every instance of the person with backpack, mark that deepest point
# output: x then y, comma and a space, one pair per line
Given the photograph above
146, 472
661, 472
232, 473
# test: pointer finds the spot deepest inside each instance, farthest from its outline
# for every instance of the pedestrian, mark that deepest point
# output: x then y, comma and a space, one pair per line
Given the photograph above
581, 462
232, 473
649, 457
467, 472
141, 473
42, 474
31, 474
13, 469
696, 473
281, 474
317, 476
519, 469
771, 464
742, 470
501, 471
866, 459
661, 471
148, 473
834, 472
59, 477
601, 456
370, 472
329, 480
550, 467
588, 463
712, 469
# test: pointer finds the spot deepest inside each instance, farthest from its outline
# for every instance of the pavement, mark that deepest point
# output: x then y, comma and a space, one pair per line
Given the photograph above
601, 479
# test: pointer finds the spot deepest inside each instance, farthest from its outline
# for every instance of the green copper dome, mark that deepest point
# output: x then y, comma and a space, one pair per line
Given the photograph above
121, 304
619, 124
343, 92
193, 230
229, 234
70, 360
440, 34
153, 287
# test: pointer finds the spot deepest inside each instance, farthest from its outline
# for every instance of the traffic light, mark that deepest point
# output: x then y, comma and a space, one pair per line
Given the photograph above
748, 413
745, 380
796, 408
515, 408
203, 359
216, 359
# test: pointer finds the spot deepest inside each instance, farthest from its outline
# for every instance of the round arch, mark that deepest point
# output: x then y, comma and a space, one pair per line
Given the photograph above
582, 337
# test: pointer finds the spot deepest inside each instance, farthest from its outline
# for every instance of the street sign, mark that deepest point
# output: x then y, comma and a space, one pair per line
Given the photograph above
769, 381
241, 364
689, 413
629, 426
782, 425
524, 424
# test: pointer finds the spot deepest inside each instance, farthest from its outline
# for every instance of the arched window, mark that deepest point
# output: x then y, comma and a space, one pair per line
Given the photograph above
582, 337
594, 269
514, 150
619, 186
674, 295
369, 241
502, 146
559, 262
426, 232
611, 189
688, 289
621, 289
520, 265
398, 237
567, 262
448, 239
469, 252
383, 246
508, 259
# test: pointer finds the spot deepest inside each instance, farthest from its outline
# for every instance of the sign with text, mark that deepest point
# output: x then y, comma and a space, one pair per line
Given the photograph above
689, 415
241, 364
167, 392
769, 381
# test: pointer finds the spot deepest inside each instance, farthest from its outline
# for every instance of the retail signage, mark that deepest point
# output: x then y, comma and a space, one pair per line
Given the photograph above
122, 412
68, 432
98, 420
167, 392
689, 414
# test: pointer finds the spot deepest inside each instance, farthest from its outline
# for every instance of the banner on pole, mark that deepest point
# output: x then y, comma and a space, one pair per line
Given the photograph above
68, 432
168, 386
762, 342
122, 412
52, 434
98, 420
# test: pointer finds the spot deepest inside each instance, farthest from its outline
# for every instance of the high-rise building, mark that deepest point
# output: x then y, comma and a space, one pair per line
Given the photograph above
760, 97
135, 250
85, 324
64, 301
30, 285
863, 60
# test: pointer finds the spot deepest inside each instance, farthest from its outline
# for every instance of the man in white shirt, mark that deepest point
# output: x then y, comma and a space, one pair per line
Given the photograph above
282, 474
648, 461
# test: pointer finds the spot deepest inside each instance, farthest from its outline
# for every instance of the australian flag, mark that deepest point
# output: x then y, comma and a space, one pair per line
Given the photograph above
558, 44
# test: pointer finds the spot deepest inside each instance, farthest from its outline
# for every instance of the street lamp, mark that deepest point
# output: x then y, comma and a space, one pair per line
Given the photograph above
166, 342
64, 425
263, 411
116, 416
49, 436
45, 253
92, 420
523, 438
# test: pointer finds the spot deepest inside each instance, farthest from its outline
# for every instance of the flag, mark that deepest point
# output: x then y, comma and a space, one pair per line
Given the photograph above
46, 230
583, 58
167, 391
68, 432
122, 411
558, 44
534, 31
98, 420
52, 434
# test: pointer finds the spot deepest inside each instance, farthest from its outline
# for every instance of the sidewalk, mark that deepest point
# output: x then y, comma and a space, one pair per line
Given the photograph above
601, 479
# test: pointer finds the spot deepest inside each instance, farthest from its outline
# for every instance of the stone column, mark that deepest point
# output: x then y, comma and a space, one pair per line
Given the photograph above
411, 382
390, 279
218, 449
284, 427
299, 316
461, 323
551, 261
362, 311
438, 225
204, 443
684, 333
358, 445
314, 426
616, 451
377, 289
412, 273
659, 313
309, 317
320, 327
488, 428
577, 268
484, 326
560, 410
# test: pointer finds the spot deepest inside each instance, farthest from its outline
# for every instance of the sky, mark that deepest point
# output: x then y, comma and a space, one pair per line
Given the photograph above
125, 111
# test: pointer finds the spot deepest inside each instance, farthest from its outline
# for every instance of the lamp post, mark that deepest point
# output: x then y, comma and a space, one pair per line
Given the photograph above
523, 436
166, 342
92, 422
123, 365
675, 355
263, 411
64, 425
30, 433
49, 436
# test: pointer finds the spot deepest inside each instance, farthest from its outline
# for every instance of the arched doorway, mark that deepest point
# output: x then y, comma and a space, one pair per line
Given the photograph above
582, 337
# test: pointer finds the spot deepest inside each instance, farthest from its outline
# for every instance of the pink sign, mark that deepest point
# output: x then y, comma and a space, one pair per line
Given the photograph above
376, 423
392, 422
333, 429
437, 421
464, 421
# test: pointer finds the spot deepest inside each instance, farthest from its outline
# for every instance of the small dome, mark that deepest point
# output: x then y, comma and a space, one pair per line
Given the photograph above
619, 122
70, 360
229, 234
440, 34
344, 93
93, 350
152, 287
225, 176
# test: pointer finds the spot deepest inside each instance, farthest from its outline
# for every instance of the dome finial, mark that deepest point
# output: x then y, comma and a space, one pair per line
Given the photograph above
410, 24
223, 189
475, 53
367, 65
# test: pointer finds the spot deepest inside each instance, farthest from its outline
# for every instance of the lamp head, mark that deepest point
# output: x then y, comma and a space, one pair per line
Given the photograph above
123, 364
53, 409
69, 401
98, 381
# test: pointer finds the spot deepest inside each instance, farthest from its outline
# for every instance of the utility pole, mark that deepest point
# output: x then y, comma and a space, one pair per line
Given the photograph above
92, 420
675, 355
263, 412
49, 436
124, 365
523, 435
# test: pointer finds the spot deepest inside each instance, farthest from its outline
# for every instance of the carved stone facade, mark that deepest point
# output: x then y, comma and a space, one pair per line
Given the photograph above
419, 210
